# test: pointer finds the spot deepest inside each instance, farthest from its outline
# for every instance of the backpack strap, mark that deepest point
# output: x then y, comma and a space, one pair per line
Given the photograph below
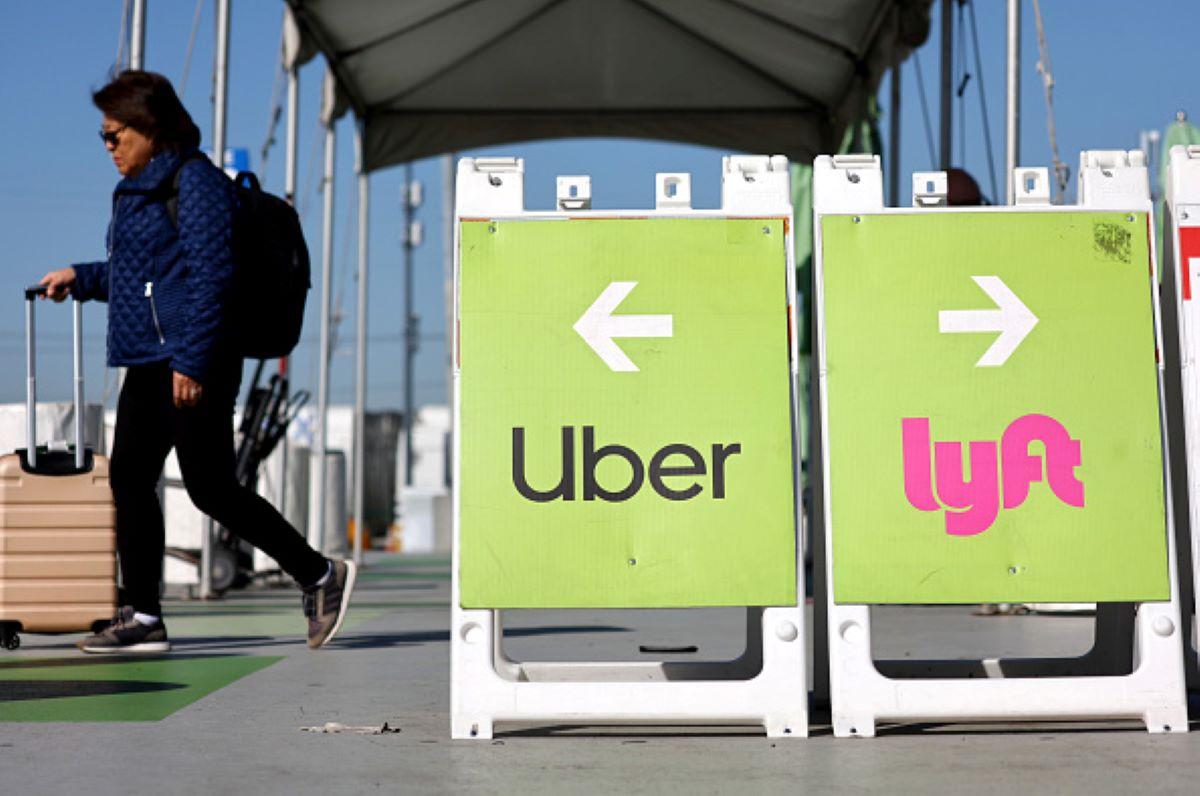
172, 198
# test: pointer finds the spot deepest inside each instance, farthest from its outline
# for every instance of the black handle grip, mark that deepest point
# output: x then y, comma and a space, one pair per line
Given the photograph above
33, 291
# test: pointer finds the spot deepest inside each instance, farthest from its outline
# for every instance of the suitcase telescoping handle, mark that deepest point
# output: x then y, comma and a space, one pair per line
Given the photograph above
31, 295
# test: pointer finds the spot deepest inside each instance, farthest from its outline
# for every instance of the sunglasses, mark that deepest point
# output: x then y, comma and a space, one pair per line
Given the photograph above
112, 137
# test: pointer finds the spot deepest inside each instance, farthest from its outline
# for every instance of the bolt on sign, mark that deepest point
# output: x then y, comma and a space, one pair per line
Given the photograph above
625, 413
992, 406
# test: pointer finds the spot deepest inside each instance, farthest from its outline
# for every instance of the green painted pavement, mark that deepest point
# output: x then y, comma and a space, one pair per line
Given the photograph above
87, 688
370, 575
119, 689
408, 562
175, 611
245, 621
276, 623
279, 615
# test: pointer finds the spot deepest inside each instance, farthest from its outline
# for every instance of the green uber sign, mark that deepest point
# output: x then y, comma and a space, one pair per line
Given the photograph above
992, 408
625, 413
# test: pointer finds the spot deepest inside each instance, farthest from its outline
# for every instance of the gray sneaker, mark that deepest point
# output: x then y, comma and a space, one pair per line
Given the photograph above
127, 635
325, 606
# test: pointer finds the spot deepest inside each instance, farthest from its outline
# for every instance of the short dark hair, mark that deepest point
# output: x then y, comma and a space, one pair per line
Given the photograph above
147, 102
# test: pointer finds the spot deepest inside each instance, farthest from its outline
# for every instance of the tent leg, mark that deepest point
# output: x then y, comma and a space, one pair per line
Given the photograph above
137, 36
360, 353
947, 87
1012, 110
410, 325
316, 522
893, 157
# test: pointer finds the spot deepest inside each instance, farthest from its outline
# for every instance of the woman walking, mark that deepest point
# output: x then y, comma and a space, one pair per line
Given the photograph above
168, 281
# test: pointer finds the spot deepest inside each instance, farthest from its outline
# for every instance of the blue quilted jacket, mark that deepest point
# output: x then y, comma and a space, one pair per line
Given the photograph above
168, 289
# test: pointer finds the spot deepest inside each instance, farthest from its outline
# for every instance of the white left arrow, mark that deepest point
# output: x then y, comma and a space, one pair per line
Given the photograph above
598, 326
1012, 319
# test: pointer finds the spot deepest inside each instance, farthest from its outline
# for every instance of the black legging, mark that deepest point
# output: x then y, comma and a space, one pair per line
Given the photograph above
148, 426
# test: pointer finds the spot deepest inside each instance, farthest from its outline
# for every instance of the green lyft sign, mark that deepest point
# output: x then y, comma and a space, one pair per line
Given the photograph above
625, 411
992, 408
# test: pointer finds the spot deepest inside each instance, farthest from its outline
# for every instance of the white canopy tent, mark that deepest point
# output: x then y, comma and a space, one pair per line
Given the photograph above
427, 77
433, 76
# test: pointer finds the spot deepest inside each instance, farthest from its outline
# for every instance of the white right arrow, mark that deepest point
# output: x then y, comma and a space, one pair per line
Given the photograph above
598, 326
1012, 320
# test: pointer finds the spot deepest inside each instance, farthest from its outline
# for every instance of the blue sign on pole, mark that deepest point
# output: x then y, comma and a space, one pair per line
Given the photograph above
236, 159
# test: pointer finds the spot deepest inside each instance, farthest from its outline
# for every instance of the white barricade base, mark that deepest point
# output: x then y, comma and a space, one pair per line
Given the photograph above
1181, 277
766, 685
760, 688
860, 694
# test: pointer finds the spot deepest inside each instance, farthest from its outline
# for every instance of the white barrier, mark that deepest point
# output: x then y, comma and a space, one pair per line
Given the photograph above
533, 354
970, 335
1181, 282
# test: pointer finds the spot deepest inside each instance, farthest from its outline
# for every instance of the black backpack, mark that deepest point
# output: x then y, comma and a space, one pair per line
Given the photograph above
273, 274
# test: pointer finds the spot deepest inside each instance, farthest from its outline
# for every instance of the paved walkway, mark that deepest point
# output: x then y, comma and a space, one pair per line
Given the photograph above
227, 712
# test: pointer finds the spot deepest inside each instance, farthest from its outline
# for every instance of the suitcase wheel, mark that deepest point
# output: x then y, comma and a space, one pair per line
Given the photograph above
9, 638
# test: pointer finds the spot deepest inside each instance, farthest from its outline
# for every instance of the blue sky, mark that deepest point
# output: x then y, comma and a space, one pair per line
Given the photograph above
1119, 68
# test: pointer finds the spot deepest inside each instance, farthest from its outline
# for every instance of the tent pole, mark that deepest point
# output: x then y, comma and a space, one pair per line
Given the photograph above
894, 141
1012, 130
448, 277
293, 128
410, 342
221, 82
292, 133
137, 60
360, 353
947, 85
137, 36
316, 524
220, 100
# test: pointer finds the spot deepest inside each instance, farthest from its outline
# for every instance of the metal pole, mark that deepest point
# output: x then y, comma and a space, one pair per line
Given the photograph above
292, 134
206, 545
316, 523
31, 383
137, 36
448, 230
220, 102
221, 82
410, 344
77, 353
1153, 139
137, 60
1012, 110
894, 140
360, 354
947, 85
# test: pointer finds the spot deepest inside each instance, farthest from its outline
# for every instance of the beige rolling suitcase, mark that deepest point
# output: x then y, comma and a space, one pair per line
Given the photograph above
57, 545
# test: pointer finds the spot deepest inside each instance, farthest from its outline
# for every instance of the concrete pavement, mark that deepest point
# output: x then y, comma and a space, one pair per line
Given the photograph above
256, 689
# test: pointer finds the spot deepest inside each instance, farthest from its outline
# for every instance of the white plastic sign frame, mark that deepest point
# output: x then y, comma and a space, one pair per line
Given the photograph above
766, 686
1181, 278
860, 694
